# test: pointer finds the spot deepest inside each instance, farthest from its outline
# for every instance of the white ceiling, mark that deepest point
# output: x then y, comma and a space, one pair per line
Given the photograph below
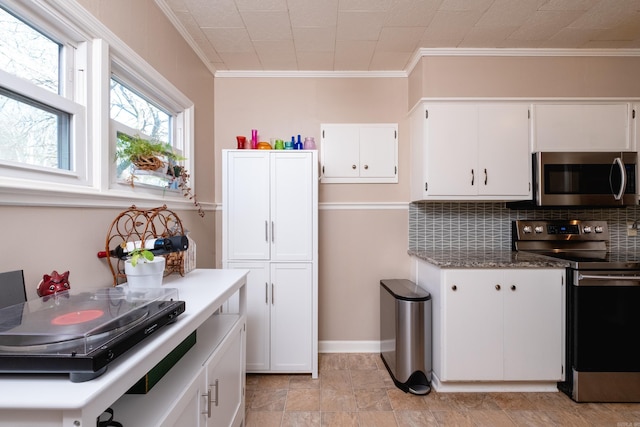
384, 35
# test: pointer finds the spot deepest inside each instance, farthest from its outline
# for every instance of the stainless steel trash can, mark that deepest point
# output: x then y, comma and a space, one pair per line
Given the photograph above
405, 334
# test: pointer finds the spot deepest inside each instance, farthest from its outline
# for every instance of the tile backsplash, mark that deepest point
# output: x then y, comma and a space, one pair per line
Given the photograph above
478, 226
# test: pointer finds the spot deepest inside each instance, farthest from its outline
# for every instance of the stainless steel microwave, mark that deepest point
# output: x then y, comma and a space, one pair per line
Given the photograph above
585, 179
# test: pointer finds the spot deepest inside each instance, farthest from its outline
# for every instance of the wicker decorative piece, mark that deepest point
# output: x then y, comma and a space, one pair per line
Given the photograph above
149, 163
136, 224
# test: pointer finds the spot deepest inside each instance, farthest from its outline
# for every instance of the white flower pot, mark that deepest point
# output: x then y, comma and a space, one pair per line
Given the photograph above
146, 274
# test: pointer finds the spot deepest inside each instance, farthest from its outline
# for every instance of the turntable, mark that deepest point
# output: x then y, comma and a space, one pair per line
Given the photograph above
80, 333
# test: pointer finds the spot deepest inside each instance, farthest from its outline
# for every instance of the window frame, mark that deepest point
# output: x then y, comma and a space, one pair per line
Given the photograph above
91, 55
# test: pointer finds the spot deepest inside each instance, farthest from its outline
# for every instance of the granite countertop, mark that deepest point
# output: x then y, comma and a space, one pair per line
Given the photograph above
487, 259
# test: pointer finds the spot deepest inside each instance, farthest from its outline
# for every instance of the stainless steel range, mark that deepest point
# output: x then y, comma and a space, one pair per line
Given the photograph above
602, 307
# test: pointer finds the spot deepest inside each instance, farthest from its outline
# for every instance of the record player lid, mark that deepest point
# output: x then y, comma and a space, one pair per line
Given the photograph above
76, 321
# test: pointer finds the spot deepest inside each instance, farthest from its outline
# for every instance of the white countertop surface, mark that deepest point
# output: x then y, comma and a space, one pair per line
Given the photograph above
203, 291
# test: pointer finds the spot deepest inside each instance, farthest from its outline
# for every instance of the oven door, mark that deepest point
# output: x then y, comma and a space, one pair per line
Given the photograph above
585, 179
605, 320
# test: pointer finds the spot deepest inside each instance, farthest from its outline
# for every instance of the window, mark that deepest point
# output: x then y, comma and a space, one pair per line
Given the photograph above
68, 91
35, 118
133, 115
33, 133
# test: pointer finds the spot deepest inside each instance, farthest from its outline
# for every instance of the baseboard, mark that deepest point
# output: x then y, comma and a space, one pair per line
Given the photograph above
349, 347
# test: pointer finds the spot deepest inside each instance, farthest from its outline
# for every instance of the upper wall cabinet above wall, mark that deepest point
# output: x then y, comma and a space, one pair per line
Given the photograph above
602, 126
470, 151
359, 153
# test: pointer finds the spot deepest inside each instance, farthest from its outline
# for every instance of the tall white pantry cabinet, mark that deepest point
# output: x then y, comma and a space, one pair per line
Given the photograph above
270, 227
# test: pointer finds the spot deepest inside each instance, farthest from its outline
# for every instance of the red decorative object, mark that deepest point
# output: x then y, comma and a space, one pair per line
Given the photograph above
50, 284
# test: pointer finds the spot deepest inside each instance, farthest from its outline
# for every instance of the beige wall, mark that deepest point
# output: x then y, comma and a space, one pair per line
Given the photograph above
41, 239
358, 245
525, 76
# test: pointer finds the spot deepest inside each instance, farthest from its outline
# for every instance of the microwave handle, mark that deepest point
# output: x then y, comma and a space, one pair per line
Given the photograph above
623, 174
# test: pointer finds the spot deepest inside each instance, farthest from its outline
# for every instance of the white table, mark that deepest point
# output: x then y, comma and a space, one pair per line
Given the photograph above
53, 400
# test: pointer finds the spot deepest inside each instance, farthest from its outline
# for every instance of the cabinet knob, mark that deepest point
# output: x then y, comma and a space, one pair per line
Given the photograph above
366, 167
454, 288
513, 287
497, 287
353, 166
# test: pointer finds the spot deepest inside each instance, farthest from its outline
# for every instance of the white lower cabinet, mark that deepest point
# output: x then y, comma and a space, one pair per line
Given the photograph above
215, 396
225, 382
496, 324
279, 316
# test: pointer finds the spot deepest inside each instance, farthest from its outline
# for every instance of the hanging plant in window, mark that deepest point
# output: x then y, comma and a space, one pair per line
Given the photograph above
152, 155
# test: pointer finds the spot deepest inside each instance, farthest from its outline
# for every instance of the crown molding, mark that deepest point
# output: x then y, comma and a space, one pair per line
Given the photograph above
310, 74
171, 16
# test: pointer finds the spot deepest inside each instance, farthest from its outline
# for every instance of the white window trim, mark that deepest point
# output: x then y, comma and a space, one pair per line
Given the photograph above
90, 184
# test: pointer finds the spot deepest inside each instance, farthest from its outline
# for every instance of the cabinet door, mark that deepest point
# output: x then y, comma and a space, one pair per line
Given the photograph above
248, 201
340, 151
378, 152
190, 406
504, 162
292, 208
582, 127
533, 313
450, 153
258, 309
291, 316
225, 380
472, 326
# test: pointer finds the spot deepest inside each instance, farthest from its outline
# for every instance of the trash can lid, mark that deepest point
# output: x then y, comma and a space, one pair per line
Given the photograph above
405, 290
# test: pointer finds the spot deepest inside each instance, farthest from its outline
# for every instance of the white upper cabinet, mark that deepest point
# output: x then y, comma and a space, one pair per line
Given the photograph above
359, 153
470, 151
583, 127
269, 207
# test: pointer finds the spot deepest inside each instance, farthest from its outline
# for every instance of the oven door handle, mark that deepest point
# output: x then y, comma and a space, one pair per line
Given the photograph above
609, 277
623, 175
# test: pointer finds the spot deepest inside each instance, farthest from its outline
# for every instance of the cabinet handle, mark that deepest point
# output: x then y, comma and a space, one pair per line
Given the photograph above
353, 166
208, 398
454, 288
366, 167
273, 237
272, 294
473, 177
485, 176
266, 231
497, 287
513, 287
266, 293
216, 395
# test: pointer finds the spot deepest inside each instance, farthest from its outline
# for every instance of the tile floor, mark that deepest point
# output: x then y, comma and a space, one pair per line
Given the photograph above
356, 390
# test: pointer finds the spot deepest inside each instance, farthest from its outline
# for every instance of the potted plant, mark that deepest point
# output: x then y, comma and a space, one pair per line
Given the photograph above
143, 269
155, 155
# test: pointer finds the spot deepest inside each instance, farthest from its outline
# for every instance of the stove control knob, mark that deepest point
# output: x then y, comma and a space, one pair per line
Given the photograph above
586, 229
599, 229
539, 229
527, 229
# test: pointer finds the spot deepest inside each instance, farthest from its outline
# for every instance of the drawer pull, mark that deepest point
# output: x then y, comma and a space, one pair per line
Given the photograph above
208, 397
